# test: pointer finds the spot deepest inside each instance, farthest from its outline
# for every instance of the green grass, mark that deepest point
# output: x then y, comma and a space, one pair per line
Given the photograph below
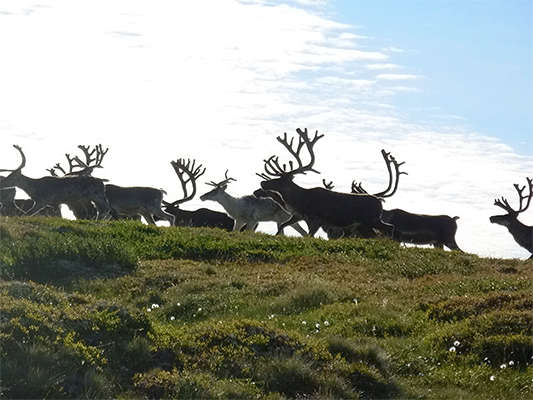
124, 310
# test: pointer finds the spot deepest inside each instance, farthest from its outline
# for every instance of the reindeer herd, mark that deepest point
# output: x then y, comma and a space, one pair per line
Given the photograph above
355, 214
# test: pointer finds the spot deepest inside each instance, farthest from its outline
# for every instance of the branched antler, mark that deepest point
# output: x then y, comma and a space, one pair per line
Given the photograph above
390, 162
222, 183
77, 166
272, 166
193, 172
503, 203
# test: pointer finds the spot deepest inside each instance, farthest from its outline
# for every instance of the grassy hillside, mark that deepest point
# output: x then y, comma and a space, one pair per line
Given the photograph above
124, 310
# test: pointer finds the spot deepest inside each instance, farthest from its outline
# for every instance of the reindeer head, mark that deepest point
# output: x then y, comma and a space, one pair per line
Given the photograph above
512, 214
277, 176
219, 188
12, 179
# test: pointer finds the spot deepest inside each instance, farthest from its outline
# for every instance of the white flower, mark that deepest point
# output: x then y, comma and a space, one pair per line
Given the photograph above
511, 363
492, 378
149, 310
503, 366
155, 305
172, 318
271, 316
178, 304
456, 343
452, 349
326, 323
355, 301
199, 309
304, 322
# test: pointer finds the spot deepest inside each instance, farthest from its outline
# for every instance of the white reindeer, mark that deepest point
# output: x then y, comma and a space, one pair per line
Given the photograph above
248, 210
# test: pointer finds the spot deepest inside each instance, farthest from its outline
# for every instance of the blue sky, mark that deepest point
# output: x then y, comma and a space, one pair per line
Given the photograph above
476, 58
444, 86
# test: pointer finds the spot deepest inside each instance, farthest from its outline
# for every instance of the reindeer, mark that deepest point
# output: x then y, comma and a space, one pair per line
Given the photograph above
362, 231
522, 234
436, 230
124, 202
248, 210
132, 202
53, 191
82, 209
320, 206
202, 217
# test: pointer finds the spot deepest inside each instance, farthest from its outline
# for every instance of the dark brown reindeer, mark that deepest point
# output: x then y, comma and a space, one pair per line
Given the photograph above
318, 206
394, 177
124, 202
362, 231
53, 191
189, 172
522, 234
436, 230
82, 209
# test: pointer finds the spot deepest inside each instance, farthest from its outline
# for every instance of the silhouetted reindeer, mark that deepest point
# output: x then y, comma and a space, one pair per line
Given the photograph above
436, 230
522, 234
320, 206
248, 210
82, 209
363, 231
188, 172
53, 191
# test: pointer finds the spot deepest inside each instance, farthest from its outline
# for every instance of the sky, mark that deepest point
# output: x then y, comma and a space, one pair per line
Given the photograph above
446, 86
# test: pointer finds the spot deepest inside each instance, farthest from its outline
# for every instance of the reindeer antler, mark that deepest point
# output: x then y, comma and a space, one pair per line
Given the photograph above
84, 167
503, 203
22, 163
272, 166
193, 172
390, 162
328, 185
223, 182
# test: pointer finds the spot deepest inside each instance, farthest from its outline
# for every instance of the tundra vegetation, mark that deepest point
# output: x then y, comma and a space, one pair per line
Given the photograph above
118, 309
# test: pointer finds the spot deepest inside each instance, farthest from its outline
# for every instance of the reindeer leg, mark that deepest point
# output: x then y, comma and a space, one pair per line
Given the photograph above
292, 220
313, 226
237, 225
149, 219
164, 215
299, 229
102, 207
250, 226
387, 229
451, 244
22, 212
37, 207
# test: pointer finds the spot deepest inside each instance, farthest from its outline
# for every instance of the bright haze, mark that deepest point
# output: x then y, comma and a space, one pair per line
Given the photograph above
449, 94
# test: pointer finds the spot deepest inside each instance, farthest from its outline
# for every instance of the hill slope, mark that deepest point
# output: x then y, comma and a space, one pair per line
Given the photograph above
125, 310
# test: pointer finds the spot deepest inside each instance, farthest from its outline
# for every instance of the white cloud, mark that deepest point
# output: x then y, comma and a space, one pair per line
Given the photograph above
382, 66
397, 77
155, 83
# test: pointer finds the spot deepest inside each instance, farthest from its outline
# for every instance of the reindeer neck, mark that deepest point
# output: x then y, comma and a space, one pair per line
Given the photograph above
522, 234
291, 192
229, 203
